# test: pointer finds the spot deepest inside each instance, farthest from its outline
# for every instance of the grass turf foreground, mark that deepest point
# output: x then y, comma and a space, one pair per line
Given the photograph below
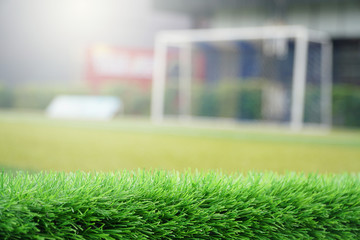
172, 205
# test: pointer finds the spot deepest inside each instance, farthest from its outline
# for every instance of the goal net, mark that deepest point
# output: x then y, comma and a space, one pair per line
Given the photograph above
278, 75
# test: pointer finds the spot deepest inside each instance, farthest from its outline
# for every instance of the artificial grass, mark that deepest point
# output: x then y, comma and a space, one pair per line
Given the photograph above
172, 205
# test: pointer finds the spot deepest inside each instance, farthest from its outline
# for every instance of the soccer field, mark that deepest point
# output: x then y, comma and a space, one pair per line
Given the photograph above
33, 142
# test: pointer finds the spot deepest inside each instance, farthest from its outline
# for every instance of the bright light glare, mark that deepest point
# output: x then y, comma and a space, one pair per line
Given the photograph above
82, 14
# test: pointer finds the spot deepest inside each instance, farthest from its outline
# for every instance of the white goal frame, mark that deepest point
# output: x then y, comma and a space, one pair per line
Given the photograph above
184, 38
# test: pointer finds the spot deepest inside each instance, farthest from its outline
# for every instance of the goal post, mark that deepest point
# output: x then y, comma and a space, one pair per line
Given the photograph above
277, 74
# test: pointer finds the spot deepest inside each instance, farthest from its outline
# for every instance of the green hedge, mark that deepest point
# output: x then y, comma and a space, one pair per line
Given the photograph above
169, 205
6, 97
136, 99
231, 101
226, 100
346, 105
33, 97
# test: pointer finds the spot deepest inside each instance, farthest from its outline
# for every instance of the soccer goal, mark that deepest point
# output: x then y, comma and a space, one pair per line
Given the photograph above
279, 74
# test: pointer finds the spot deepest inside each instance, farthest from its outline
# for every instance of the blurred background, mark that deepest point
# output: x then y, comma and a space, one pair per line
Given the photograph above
53, 52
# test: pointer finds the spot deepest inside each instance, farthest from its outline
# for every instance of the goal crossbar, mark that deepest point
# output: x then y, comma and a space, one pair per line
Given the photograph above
226, 34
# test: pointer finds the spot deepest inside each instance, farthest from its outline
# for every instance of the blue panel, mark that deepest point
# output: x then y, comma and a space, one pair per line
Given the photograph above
249, 64
286, 66
212, 62
314, 63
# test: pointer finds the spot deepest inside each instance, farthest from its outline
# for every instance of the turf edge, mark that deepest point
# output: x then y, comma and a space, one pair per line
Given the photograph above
172, 205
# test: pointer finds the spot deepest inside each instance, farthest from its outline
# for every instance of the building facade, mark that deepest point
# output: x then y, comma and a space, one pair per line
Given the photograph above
339, 18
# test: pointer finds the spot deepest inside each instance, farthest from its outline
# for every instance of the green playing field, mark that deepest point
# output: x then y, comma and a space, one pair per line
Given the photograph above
31, 141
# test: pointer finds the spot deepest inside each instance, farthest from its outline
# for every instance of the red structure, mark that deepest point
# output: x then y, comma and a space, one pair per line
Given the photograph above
106, 64
113, 64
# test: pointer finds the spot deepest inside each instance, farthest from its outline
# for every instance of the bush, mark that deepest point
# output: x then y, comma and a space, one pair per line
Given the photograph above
6, 97
171, 104
136, 99
31, 97
228, 100
208, 105
346, 106
312, 104
169, 205
250, 104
